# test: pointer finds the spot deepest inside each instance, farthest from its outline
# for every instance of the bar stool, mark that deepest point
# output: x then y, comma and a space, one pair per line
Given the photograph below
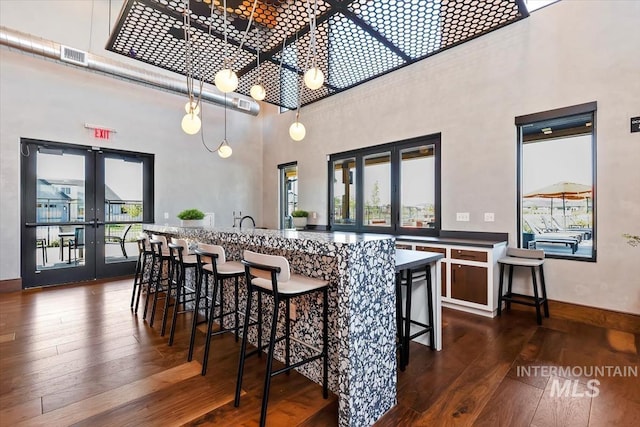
407, 278
142, 273
160, 262
212, 263
271, 274
178, 284
531, 258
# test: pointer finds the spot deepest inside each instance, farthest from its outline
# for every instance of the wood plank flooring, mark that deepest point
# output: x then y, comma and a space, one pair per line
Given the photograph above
77, 355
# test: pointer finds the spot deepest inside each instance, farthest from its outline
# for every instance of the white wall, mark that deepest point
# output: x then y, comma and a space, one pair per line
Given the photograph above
568, 53
43, 99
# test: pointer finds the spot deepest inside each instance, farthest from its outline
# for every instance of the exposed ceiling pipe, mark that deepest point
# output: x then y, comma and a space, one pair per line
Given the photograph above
46, 48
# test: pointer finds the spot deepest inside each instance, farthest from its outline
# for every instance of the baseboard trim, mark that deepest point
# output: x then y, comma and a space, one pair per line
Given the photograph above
10, 285
590, 315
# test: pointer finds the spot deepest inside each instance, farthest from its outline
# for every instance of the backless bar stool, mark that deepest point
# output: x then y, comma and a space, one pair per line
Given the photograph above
531, 258
180, 262
161, 262
142, 273
212, 263
271, 274
407, 279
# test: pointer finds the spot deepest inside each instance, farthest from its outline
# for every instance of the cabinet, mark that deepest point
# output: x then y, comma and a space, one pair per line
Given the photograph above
469, 275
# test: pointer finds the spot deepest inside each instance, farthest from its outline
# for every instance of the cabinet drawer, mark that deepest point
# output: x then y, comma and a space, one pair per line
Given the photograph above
442, 251
403, 246
469, 255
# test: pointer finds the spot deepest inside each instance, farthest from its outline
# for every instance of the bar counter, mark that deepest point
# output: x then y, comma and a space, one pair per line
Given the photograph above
362, 328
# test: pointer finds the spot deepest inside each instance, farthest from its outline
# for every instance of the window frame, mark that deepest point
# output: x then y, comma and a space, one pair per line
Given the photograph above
395, 185
520, 121
281, 191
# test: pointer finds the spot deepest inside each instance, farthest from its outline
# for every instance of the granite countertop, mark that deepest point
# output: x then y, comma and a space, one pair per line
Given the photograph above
338, 237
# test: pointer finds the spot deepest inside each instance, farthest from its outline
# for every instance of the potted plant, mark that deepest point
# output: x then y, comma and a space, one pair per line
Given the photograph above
191, 218
299, 219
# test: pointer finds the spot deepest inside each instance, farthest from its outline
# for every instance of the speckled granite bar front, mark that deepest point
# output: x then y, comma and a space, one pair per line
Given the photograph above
360, 269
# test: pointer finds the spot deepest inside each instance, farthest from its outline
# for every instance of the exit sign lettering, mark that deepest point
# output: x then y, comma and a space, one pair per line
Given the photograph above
101, 133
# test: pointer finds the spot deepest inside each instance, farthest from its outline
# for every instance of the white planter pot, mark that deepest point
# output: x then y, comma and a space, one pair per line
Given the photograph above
300, 222
191, 222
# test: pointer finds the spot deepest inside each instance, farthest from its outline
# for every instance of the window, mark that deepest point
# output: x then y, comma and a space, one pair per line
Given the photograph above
556, 182
288, 193
390, 188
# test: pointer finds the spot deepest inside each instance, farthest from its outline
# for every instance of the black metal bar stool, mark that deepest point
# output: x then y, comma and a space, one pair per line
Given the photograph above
407, 278
184, 293
142, 274
271, 274
159, 281
212, 263
530, 258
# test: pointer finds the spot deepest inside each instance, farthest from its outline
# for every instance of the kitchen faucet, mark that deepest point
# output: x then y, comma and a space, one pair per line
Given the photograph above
247, 217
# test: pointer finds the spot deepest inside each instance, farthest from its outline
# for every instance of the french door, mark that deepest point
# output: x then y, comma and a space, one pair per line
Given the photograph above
81, 209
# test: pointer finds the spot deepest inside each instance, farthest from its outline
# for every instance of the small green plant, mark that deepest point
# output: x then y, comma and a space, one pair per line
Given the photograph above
299, 214
190, 214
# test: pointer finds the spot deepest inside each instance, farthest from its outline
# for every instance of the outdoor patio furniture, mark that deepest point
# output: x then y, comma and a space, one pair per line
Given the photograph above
119, 240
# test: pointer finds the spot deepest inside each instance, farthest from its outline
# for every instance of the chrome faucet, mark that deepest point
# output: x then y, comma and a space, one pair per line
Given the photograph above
247, 217
236, 218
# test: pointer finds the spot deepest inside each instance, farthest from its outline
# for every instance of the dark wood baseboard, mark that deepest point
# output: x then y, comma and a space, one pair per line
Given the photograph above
10, 285
590, 315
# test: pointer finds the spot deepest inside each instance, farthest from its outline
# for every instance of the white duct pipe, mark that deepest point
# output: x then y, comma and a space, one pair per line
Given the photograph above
38, 46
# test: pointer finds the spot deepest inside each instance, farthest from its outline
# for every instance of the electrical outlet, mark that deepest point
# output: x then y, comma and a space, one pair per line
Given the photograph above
489, 217
462, 216
292, 311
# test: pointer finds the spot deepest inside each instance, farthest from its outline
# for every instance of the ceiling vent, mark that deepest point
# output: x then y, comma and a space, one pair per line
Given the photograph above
244, 104
73, 56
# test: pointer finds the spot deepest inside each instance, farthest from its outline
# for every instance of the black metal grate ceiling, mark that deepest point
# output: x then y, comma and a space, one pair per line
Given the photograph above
357, 40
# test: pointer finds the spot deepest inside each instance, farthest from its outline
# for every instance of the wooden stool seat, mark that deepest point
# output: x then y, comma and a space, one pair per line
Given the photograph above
212, 262
528, 258
271, 274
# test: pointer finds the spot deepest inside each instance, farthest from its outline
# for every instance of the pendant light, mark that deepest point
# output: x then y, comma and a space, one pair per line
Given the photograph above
226, 80
313, 77
257, 90
224, 149
191, 123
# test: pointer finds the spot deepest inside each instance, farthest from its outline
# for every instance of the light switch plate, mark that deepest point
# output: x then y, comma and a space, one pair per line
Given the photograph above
166, 215
462, 216
489, 217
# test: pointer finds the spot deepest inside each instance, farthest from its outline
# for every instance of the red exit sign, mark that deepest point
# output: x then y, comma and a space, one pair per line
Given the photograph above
101, 133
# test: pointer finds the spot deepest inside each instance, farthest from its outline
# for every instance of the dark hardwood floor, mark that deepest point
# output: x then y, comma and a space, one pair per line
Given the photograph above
76, 355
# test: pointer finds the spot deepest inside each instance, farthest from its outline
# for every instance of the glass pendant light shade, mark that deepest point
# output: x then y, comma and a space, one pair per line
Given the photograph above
192, 107
297, 131
226, 80
314, 78
191, 123
224, 150
257, 92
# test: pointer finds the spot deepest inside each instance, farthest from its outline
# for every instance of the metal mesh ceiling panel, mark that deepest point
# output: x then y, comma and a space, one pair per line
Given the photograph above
357, 40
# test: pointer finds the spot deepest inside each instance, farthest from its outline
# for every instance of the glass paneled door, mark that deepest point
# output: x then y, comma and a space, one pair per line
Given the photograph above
82, 209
